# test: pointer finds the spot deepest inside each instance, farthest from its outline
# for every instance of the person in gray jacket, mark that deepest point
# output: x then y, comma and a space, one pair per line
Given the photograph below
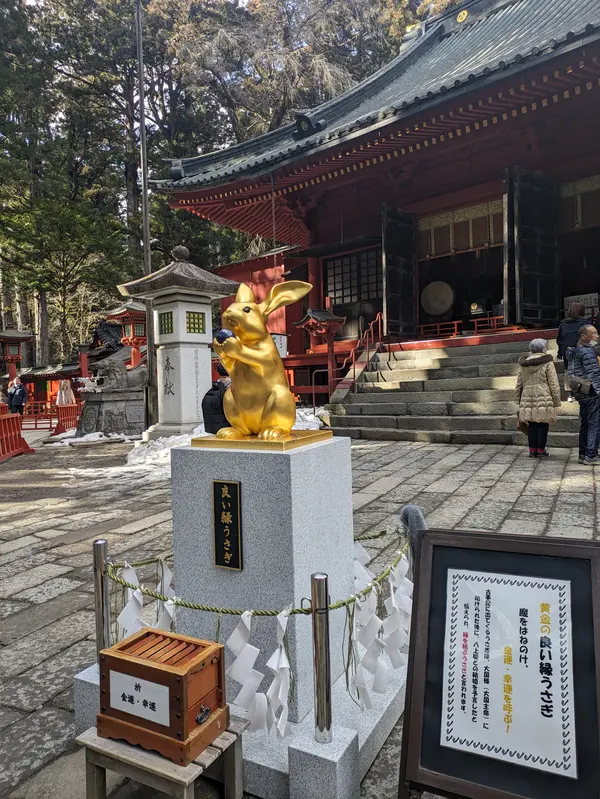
584, 367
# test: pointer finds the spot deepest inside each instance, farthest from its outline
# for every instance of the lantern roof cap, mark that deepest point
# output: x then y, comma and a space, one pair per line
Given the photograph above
180, 275
130, 306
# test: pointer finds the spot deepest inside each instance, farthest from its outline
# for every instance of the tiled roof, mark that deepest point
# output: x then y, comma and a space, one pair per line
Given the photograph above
495, 36
15, 335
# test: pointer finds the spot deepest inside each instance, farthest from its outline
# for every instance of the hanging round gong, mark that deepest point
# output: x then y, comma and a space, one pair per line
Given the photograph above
437, 298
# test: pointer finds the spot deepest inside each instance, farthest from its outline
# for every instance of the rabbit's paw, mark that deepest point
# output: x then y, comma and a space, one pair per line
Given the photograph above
271, 433
230, 432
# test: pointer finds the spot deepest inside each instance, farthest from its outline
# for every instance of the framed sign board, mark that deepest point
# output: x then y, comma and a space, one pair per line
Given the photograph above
502, 697
227, 522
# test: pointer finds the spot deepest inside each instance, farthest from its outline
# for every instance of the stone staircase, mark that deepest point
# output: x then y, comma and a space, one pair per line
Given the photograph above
458, 395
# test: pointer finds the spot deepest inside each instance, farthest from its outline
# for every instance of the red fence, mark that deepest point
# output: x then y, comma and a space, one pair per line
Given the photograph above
11, 440
440, 330
3, 409
39, 416
67, 418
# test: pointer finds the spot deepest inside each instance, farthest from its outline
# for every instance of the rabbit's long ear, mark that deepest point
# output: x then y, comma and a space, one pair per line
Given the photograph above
284, 294
245, 294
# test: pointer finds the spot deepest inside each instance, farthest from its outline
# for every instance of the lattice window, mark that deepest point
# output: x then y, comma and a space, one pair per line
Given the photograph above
195, 322
165, 323
13, 349
139, 329
356, 277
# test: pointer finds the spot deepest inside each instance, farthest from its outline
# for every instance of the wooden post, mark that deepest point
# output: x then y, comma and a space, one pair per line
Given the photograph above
12, 370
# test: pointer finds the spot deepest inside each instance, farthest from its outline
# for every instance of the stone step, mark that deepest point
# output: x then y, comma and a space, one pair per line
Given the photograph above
401, 375
510, 347
452, 384
416, 407
555, 439
564, 424
499, 395
447, 360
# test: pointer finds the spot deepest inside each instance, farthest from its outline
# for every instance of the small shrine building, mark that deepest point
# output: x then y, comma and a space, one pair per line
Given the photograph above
460, 182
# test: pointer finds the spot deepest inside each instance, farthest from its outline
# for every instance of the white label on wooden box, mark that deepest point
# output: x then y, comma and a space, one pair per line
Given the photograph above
508, 670
148, 700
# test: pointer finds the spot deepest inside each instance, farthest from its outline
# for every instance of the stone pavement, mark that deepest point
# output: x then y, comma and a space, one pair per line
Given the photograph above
55, 503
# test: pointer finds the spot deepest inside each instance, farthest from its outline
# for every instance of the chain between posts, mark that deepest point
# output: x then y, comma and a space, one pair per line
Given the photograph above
111, 572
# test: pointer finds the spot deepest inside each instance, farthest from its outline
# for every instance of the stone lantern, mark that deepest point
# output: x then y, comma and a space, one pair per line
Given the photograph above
132, 318
10, 349
181, 295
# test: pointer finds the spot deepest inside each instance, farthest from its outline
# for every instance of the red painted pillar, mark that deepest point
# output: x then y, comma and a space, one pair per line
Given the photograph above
136, 357
331, 365
83, 364
316, 279
12, 370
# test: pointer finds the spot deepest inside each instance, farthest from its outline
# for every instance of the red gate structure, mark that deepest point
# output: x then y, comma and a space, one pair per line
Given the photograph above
67, 418
11, 440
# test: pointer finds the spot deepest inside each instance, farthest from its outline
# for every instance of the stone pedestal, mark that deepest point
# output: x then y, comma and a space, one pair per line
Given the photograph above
112, 412
296, 520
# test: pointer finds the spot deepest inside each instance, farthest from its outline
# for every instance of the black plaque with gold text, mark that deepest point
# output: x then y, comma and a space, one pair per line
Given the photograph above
227, 514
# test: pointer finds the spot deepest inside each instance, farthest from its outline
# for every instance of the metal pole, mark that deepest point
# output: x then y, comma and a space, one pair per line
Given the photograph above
322, 658
101, 598
151, 403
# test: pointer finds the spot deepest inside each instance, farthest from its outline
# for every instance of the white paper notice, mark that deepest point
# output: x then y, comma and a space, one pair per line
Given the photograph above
508, 670
148, 700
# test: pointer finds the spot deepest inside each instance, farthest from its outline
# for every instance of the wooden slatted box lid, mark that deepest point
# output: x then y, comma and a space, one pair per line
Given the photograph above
163, 691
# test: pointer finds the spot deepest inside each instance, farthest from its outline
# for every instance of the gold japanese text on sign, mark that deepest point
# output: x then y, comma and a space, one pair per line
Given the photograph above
227, 512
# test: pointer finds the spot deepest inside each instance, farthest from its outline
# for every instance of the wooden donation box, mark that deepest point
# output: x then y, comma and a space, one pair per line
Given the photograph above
164, 692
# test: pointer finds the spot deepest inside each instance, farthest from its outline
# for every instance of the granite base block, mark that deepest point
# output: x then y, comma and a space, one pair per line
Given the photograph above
166, 430
86, 697
122, 412
329, 771
271, 765
296, 520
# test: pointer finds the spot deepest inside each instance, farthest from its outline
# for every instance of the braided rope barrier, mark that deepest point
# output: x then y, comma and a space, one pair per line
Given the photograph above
113, 569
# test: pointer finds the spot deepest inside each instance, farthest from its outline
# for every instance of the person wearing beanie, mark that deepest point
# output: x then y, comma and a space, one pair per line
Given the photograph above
538, 395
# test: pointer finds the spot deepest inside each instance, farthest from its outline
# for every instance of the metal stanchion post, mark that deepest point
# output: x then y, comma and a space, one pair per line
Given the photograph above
101, 598
322, 658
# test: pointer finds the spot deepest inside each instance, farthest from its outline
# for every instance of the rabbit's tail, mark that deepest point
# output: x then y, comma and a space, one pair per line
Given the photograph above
414, 523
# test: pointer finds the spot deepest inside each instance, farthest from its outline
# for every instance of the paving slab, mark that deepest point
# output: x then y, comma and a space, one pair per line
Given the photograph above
41, 615
29, 650
9, 716
31, 743
30, 578
39, 685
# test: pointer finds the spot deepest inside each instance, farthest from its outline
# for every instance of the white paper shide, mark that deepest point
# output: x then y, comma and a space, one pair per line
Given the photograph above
508, 670
142, 698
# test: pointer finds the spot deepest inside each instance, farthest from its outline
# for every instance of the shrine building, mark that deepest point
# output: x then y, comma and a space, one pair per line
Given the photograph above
456, 189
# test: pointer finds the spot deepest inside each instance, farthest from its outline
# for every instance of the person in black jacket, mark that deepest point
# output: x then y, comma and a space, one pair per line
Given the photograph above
212, 404
583, 363
568, 334
17, 396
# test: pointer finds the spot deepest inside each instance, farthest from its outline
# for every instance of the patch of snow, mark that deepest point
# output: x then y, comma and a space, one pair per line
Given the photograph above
158, 453
68, 439
307, 420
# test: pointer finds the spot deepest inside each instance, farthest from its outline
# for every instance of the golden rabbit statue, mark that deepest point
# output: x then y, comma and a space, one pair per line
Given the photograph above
259, 401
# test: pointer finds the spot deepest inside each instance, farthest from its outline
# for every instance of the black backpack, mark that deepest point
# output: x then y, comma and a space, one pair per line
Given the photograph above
212, 408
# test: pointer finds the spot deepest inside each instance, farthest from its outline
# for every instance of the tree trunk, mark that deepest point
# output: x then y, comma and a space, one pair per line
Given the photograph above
6, 299
64, 331
132, 192
24, 323
42, 353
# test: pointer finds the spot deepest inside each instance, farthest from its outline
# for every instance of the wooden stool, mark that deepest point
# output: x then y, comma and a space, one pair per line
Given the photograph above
221, 761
